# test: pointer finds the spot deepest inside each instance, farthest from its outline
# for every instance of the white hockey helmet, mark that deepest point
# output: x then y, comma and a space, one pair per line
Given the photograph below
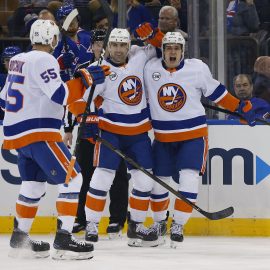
43, 32
173, 38
120, 35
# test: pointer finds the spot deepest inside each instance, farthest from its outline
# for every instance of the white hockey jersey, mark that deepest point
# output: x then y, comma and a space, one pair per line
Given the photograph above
33, 99
175, 99
124, 108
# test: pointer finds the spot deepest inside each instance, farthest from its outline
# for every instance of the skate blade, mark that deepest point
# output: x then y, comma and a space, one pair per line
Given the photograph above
71, 255
27, 253
161, 240
174, 244
113, 236
141, 243
135, 242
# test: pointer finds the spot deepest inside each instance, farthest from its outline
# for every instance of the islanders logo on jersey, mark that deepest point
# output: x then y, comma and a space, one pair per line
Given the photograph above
130, 90
171, 97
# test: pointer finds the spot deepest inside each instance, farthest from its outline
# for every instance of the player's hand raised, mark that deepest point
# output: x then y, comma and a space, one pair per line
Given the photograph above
144, 31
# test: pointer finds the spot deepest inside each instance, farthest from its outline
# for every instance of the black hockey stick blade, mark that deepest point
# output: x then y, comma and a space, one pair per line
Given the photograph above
218, 215
213, 216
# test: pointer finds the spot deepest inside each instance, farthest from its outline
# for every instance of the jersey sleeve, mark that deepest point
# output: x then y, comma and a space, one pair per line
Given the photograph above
149, 51
215, 91
49, 80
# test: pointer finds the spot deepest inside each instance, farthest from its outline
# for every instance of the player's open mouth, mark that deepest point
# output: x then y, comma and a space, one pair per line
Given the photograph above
172, 59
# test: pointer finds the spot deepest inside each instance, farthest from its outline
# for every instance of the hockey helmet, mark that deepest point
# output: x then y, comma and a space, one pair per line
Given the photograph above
173, 38
98, 35
43, 32
63, 11
9, 52
120, 35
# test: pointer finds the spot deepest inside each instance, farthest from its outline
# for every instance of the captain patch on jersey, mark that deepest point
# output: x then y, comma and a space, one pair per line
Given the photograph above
171, 97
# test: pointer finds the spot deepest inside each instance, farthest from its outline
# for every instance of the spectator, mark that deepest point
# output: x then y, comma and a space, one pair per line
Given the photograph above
169, 21
29, 19
45, 14
242, 17
261, 78
243, 89
137, 14
100, 20
181, 6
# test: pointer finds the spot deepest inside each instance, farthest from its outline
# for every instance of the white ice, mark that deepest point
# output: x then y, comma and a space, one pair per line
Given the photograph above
195, 253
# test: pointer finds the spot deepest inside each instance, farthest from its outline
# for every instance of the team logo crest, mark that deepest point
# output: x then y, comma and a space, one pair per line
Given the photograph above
130, 90
171, 97
113, 76
156, 76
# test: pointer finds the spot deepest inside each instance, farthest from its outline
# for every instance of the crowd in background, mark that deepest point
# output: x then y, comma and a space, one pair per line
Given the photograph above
248, 25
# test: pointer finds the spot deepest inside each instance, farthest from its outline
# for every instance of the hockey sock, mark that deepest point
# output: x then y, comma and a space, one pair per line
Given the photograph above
27, 203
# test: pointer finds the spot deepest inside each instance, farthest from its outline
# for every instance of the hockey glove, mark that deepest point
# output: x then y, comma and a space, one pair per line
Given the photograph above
93, 75
146, 32
90, 129
245, 109
66, 60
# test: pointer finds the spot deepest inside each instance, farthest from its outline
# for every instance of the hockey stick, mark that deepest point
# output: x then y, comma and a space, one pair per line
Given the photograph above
215, 108
213, 216
107, 10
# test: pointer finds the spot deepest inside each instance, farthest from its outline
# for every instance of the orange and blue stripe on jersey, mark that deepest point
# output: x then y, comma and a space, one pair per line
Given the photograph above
180, 130
30, 131
125, 124
224, 99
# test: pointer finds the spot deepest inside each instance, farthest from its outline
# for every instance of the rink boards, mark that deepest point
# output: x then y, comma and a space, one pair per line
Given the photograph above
238, 175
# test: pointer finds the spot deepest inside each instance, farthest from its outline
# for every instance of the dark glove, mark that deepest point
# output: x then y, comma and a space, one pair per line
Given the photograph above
246, 111
90, 129
66, 60
93, 74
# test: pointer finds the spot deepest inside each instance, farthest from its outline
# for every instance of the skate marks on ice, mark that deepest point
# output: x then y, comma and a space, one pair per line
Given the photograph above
195, 253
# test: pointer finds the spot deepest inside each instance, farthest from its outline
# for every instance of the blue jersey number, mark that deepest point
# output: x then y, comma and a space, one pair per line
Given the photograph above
48, 74
16, 103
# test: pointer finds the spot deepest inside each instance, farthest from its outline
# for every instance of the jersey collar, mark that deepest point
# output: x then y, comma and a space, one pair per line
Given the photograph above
171, 70
115, 64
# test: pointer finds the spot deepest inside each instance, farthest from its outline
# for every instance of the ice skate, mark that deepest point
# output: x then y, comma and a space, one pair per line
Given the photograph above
91, 232
114, 230
161, 229
68, 248
176, 234
22, 245
141, 236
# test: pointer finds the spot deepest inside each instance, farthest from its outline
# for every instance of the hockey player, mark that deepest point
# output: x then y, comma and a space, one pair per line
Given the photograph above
74, 47
174, 86
119, 190
33, 98
124, 122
